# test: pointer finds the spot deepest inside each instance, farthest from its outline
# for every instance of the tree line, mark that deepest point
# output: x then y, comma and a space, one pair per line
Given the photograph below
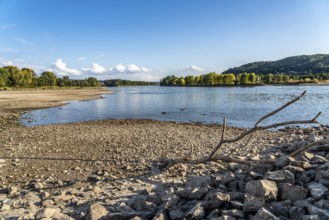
123, 82
12, 76
213, 79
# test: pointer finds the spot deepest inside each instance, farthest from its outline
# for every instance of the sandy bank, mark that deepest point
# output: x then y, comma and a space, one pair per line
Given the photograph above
21, 100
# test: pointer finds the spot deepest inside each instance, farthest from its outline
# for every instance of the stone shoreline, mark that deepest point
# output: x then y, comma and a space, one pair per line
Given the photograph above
110, 169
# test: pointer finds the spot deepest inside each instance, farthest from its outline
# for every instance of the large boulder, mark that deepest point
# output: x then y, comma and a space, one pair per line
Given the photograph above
291, 192
264, 189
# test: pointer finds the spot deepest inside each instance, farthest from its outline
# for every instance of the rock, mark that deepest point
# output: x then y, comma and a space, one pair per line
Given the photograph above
317, 190
213, 214
280, 176
281, 208
294, 169
123, 207
160, 216
322, 172
196, 187
224, 217
264, 214
283, 161
302, 203
236, 204
48, 203
226, 177
311, 217
291, 192
322, 213
302, 164
60, 216
119, 216
197, 212
296, 212
12, 190
45, 213
5, 207
252, 204
324, 182
322, 204
234, 213
96, 211
176, 214
39, 185
215, 199
237, 196
264, 189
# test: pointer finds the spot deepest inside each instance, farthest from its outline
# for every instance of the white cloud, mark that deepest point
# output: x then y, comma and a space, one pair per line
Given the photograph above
7, 62
7, 26
61, 69
133, 68
194, 69
119, 68
95, 69
82, 58
130, 68
144, 69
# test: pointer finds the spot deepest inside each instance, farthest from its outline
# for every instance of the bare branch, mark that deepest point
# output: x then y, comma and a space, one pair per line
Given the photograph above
223, 140
280, 108
224, 128
295, 153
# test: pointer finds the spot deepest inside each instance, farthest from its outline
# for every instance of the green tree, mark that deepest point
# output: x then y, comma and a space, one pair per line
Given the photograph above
244, 79
93, 81
182, 81
189, 80
14, 75
47, 79
27, 77
252, 78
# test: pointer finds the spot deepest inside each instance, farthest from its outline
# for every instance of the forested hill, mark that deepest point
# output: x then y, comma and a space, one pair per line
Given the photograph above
299, 65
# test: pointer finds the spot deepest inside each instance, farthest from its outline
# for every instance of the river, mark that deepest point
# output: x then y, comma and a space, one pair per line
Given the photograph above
242, 106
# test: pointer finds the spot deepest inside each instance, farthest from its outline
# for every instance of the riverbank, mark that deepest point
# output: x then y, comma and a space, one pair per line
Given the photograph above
29, 99
65, 169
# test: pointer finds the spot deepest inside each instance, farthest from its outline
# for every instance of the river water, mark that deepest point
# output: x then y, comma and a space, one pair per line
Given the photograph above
242, 106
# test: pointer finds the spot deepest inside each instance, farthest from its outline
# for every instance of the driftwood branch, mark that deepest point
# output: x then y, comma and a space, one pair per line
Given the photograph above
301, 150
223, 140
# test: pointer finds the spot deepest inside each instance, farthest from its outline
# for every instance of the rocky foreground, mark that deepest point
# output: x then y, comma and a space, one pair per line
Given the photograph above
111, 170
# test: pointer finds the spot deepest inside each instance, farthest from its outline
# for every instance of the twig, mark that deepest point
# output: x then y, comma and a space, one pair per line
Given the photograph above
280, 108
301, 150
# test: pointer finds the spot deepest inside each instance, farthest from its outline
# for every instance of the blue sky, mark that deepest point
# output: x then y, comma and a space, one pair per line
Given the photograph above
149, 39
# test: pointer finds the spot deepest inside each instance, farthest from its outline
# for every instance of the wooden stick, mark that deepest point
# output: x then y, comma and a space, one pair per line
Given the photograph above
301, 150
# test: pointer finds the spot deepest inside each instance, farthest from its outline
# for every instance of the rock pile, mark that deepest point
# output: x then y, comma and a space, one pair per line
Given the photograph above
297, 189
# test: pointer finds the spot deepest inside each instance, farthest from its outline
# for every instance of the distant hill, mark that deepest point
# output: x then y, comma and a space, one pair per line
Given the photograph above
299, 65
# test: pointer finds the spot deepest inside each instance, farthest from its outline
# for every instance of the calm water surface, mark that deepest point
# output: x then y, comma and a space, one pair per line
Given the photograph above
242, 106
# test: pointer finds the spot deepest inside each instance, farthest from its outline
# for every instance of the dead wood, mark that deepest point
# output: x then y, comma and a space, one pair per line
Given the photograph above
227, 158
